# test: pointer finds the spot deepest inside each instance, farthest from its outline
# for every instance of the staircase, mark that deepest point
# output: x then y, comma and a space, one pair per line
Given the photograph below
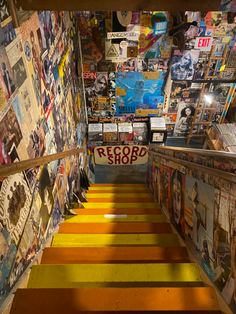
118, 254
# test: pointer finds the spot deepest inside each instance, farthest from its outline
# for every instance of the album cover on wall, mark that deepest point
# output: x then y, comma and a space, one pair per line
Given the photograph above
140, 132
110, 133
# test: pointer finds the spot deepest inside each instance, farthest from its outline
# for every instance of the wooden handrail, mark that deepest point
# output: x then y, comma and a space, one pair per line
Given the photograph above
114, 5
197, 151
7, 170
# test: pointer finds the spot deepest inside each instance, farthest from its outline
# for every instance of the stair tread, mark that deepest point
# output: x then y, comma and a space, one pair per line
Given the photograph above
68, 255
128, 211
73, 275
123, 194
141, 300
116, 199
119, 184
120, 205
118, 189
106, 218
74, 240
115, 228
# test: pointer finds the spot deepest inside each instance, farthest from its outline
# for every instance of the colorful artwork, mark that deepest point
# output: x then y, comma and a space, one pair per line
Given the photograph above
136, 90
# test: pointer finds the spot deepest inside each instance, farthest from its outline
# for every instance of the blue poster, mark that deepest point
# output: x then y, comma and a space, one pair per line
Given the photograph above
135, 90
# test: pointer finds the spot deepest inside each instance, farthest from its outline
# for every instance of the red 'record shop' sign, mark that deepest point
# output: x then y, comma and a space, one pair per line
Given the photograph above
121, 155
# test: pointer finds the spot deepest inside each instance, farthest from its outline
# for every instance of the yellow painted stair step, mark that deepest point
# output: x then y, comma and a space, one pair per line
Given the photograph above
120, 195
120, 205
92, 275
93, 240
115, 218
117, 189
118, 185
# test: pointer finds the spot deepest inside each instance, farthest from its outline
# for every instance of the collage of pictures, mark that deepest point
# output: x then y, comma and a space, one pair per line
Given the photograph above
41, 113
159, 64
202, 209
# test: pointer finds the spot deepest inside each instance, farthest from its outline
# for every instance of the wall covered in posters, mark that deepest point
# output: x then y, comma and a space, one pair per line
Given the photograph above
202, 209
159, 64
41, 113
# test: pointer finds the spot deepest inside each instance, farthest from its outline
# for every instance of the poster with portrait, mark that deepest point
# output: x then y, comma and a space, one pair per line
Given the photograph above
10, 136
165, 188
6, 74
4, 11
184, 118
199, 214
9, 33
31, 36
177, 201
183, 64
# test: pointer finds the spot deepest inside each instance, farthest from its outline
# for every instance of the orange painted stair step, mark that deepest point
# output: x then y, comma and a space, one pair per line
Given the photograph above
68, 255
124, 227
109, 300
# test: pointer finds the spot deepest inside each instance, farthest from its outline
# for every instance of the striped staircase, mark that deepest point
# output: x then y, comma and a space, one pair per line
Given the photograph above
118, 254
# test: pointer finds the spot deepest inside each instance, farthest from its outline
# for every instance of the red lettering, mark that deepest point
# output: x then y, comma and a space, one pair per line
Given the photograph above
200, 42
143, 152
135, 150
110, 160
101, 152
126, 148
90, 75
125, 160
117, 159
115, 149
109, 150
133, 158
203, 42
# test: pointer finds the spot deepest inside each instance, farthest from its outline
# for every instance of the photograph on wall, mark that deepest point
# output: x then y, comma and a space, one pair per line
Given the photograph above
183, 64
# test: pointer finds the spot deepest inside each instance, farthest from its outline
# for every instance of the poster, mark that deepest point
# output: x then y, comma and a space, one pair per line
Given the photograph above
199, 213
136, 90
183, 64
7, 79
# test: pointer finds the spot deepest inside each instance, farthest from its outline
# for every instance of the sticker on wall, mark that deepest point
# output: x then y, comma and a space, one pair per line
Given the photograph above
119, 35
112, 51
124, 17
132, 52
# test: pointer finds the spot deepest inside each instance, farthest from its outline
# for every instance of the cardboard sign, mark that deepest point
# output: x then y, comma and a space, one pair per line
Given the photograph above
121, 155
203, 43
